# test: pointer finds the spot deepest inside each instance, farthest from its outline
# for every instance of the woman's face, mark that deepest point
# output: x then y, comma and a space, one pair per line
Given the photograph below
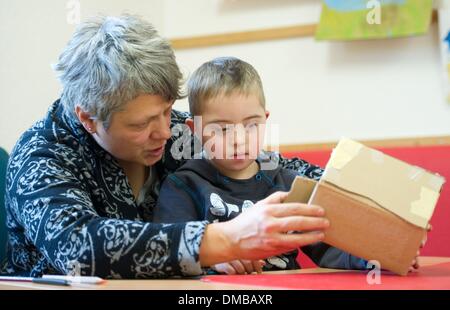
138, 133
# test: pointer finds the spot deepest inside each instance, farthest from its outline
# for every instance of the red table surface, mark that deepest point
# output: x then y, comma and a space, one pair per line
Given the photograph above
427, 278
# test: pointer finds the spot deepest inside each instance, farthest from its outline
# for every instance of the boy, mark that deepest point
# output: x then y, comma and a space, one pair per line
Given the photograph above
230, 177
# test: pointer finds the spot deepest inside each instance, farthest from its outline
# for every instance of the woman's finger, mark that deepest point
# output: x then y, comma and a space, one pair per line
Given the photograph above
286, 242
275, 198
296, 209
298, 223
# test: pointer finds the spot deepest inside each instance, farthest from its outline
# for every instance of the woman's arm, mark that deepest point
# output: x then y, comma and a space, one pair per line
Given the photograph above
50, 202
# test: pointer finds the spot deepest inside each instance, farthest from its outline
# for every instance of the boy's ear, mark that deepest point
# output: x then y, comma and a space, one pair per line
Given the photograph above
267, 114
190, 123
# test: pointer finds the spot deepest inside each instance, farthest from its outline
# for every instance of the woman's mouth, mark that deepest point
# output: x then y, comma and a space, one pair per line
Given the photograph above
156, 152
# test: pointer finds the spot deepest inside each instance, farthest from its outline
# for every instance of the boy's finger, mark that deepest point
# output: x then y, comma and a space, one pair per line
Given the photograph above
237, 265
228, 269
277, 197
257, 266
248, 265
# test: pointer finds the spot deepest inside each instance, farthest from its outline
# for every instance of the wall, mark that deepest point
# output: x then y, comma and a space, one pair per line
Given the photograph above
317, 91
33, 33
322, 91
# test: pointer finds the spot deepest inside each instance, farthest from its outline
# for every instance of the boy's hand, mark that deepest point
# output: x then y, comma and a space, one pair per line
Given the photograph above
240, 267
415, 263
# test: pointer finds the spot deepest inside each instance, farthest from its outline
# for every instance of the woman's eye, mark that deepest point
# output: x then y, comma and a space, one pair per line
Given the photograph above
139, 126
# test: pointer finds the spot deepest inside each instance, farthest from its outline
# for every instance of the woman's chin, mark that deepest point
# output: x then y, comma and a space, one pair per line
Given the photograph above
150, 160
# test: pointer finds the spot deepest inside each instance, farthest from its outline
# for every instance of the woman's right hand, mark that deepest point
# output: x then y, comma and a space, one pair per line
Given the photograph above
262, 231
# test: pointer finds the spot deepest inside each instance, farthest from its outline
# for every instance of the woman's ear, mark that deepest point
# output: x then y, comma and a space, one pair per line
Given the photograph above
86, 119
190, 123
267, 114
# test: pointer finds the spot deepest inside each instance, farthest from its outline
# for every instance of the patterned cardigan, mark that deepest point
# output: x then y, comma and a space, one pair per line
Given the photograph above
70, 208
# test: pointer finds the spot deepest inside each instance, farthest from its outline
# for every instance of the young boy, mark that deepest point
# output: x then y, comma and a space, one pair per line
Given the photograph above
227, 93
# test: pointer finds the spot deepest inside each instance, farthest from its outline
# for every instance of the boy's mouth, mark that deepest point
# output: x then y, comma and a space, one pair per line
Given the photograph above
240, 155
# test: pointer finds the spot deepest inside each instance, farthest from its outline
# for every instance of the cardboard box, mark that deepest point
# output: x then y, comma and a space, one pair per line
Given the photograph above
379, 207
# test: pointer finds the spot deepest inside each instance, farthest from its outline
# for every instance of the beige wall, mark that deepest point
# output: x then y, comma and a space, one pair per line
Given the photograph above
315, 91
33, 34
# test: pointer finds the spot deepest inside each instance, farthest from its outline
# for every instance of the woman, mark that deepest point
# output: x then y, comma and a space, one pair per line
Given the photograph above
82, 182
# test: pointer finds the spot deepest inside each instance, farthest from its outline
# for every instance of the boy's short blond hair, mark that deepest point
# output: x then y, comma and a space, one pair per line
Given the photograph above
222, 76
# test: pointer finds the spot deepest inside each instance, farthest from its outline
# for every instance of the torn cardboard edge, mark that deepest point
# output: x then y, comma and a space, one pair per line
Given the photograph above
362, 224
374, 175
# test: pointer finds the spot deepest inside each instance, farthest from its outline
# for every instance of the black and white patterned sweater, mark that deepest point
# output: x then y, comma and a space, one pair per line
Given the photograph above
70, 208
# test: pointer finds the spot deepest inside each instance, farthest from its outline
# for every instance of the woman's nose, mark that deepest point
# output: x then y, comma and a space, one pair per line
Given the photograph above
162, 131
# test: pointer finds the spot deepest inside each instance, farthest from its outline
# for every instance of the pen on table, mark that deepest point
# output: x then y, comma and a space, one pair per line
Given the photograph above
76, 279
62, 282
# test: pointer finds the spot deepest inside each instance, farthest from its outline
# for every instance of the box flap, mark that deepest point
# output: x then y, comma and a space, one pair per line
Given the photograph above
406, 190
301, 190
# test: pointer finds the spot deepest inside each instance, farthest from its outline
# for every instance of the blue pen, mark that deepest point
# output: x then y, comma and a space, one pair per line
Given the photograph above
37, 280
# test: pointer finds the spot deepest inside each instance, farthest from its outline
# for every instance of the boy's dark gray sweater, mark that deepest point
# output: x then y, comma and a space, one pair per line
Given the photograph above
197, 191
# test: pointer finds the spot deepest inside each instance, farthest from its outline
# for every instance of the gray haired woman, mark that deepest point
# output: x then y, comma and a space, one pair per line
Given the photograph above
82, 182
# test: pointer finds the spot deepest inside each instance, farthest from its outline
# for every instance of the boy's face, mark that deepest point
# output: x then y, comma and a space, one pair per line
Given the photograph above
233, 129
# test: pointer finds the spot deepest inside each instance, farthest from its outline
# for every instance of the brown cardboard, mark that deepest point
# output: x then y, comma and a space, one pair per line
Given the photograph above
301, 190
378, 206
408, 191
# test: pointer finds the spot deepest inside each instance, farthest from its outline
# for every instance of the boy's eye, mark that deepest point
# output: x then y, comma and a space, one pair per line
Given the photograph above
226, 129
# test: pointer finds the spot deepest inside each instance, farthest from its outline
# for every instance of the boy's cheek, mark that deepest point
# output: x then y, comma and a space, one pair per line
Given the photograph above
214, 147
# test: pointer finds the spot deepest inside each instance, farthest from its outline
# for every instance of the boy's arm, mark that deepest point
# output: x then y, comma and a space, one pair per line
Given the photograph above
176, 203
326, 256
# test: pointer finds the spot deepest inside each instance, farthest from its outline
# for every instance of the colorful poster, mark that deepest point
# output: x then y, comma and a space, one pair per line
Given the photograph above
444, 33
373, 19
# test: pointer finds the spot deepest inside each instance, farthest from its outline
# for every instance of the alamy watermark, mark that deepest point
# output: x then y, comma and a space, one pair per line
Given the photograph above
73, 16
374, 15
226, 141
374, 275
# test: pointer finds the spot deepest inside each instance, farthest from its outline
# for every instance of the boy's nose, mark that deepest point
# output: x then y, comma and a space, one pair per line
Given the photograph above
239, 136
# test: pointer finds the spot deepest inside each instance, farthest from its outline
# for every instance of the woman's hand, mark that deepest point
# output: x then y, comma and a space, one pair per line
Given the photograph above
262, 231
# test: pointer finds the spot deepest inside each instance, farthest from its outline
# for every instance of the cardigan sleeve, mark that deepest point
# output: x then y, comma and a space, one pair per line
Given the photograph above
47, 199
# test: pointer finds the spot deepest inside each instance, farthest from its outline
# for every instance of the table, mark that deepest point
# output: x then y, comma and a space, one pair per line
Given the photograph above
198, 284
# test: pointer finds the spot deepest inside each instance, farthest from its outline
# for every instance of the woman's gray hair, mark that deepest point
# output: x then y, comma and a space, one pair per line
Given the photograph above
222, 75
112, 60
